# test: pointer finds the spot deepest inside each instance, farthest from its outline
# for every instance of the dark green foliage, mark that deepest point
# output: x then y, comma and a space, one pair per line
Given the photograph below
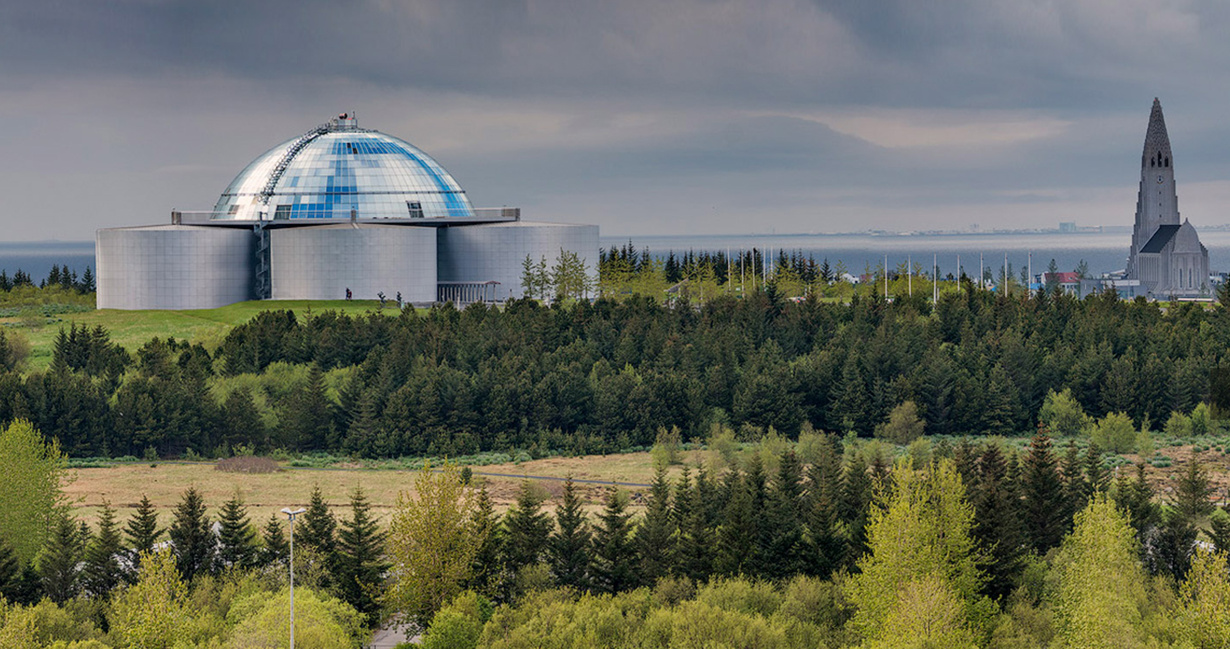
241, 423
1170, 549
655, 536
614, 556
236, 537
693, 548
1219, 530
857, 491
102, 570
1135, 497
1076, 489
1096, 475
275, 549
997, 521
825, 540
487, 571
192, 536
570, 543
1191, 495
10, 570
59, 562
785, 552
361, 562
317, 529
1045, 505
528, 529
142, 529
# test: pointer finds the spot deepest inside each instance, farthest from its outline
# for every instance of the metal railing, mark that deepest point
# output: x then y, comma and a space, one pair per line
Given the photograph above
182, 217
498, 213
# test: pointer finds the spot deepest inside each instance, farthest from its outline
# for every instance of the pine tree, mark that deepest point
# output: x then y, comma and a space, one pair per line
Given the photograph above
785, 515
570, 543
142, 531
528, 529
1096, 475
856, 495
1136, 498
737, 534
361, 558
614, 568
827, 545
102, 566
317, 529
1043, 503
655, 536
276, 550
1219, 528
1171, 549
1191, 494
997, 522
192, 536
59, 562
486, 574
692, 547
1076, 490
236, 537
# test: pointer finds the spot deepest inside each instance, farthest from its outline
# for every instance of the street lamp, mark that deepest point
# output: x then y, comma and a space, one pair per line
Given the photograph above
290, 515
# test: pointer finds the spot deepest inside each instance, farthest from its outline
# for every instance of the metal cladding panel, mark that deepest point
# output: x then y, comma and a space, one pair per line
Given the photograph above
497, 251
174, 267
321, 262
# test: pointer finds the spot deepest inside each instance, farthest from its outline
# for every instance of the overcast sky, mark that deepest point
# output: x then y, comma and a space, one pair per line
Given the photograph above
653, 117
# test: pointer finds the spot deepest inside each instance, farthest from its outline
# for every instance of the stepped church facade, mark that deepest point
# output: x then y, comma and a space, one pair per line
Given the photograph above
1166, 259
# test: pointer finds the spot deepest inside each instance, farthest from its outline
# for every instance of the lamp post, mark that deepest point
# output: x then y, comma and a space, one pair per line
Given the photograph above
290, 515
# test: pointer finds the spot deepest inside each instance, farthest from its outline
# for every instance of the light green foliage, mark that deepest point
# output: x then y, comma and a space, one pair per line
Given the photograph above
723, 445
1203, 615
458, 625
1115, 432
1202, 419
321, 622
927, 614
48, 625
667, 448
1100, 595
153, 613
903, 425
1062, 414
33, 473
919, 546
1179, 425
431, 544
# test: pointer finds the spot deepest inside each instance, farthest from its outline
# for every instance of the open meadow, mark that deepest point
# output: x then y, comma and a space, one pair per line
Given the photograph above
131, 329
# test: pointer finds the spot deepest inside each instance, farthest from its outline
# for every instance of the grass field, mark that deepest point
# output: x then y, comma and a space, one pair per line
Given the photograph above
134, 328
124, 484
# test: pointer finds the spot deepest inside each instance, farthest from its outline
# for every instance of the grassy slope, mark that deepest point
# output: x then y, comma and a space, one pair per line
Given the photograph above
133, 328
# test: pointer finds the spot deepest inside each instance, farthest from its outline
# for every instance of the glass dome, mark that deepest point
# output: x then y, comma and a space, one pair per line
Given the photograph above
336, 168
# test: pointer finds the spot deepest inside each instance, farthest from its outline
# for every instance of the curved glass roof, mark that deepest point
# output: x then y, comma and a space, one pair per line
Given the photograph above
336, 168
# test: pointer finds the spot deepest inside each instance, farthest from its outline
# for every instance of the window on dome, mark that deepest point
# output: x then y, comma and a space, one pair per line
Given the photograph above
282, 212
233, 210
416, 209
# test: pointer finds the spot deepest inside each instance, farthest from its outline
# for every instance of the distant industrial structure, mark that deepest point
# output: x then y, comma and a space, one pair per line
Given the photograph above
337, 212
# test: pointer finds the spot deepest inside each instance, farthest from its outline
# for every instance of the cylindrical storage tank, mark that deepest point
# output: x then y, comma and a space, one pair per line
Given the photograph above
497, 251
319, 262
174, 267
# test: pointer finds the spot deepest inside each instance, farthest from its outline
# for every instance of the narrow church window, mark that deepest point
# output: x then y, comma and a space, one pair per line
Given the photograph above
1152, 162
1167, 163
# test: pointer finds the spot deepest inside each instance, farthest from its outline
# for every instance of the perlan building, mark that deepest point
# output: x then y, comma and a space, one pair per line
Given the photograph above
339, 211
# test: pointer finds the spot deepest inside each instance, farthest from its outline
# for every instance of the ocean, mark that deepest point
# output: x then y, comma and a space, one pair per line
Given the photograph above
1103, 252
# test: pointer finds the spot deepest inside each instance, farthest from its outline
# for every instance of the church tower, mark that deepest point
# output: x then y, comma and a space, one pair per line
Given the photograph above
1157, 202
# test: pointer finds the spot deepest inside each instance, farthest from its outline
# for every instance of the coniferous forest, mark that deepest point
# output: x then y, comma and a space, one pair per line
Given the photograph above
609, 375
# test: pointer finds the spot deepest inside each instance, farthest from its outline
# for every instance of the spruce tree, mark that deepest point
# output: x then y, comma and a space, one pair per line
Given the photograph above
655, 536
142, 531
693, 548
737, 534
614, 566
824, 496
102, 571
236, 537
997, 522
317, 529
192, 536
1191, 495
361, 558
486, 574
1136, 498
1044, 503
1219, 529
1097, 476
1171, 550
276, 549
785, 515
528, 529
59, 562
856, 495
570, 543
1076, 490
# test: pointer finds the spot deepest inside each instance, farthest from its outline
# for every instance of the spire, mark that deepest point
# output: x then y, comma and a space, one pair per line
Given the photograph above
1156, 139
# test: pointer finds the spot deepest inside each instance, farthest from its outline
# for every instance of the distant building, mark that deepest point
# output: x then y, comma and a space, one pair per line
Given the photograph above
1167, 257
1067, 226
339, 211
1069, 283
